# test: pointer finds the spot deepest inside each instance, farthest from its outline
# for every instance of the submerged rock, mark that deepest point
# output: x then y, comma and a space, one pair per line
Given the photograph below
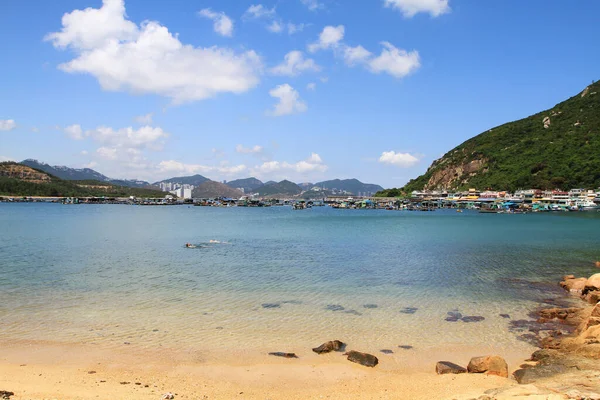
490, 365
368, 360
332, 345
409, 310
271, 305
335, 307
447, 367
505, 316
453, 316
370, 306
282, 354
472, 318
353, 312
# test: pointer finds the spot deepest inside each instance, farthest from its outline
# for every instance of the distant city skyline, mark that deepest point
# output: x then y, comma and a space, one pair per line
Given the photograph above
297, 90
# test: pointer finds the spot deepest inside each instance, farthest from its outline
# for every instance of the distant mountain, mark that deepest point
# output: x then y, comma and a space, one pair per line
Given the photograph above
185, 180
269, 183
283, 188
212, 189
306, 185
81, 174
555, 148
248, 184
353, 186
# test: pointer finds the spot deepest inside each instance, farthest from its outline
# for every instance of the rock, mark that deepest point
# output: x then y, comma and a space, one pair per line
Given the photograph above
370, 306
472, 318
593, 283
335, 307
596, 311
546, 122
282, 354
597, 264
592, 296
387, 351
405, 346
453, 316
332, 345
569, 315
167, 396
271, 305
447, 367
409, 310
490, 365
576, 285
505, 316
368, 360
4, 395
531, 375
565, 277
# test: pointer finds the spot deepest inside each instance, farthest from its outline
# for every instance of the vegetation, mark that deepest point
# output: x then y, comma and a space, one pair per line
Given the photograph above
353, 186
281, 188
556, 148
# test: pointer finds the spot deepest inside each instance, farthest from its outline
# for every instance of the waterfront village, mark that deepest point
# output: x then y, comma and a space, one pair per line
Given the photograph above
521, 201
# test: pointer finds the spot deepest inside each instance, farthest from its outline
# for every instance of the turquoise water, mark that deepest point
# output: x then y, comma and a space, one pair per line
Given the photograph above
275, 278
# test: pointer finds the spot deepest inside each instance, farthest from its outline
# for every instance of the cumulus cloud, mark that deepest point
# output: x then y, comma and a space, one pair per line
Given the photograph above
403, 160
294, 64
74, 132
314, 163
394, 61
223, 25
289, 101
146, 137
7, 124
259, 11
313, 5
144, 119
330, 37
107, 153
275, 27
248, 150
311, 86
295, 28
148, 58
356, 55
410, 8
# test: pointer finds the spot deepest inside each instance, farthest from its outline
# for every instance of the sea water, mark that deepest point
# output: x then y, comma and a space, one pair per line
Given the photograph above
277, 279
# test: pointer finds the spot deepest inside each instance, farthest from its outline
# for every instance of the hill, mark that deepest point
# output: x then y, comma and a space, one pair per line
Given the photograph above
248, 184
283, 188
353, 186
80, 174
22, 180
556, 148
212, 189
185, 180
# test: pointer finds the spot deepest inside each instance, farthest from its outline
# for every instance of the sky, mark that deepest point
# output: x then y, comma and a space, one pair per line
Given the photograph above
305, 90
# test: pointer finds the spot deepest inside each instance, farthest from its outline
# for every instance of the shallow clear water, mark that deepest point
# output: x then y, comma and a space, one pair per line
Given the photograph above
108, 274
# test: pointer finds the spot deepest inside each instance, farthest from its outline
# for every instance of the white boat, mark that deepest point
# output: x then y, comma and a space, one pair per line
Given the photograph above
586, 205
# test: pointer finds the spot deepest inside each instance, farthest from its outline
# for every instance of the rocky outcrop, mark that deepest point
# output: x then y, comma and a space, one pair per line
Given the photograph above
368, 360
573, 284
490, 365
454, 175
24, 173
592, 284
447, 367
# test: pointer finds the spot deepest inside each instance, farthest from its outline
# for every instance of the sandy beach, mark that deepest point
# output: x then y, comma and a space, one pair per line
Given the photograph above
38, 370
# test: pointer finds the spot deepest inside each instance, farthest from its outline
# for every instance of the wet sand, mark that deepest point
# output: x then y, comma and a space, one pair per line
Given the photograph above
44, 370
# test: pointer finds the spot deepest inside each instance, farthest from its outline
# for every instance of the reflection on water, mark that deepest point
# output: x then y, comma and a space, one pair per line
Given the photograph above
274, 277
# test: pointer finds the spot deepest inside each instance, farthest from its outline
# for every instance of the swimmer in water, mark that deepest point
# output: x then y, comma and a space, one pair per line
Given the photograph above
190, 246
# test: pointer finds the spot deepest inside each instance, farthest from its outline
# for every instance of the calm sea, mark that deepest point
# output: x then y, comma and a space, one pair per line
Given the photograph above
274, 279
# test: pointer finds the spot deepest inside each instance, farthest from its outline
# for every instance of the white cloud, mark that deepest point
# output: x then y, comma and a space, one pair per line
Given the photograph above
295, 28
74, 132
394, 61
149, 58
223, 25
289, 101
356, 55
311, 86
144, 119
249, 150
7, 124
314, 163
259, 11
172, 166
313, 5
146, 137
275, 27
91, 164
409, 8
4, 159
403, 160
107, 153
330, 37
294, 64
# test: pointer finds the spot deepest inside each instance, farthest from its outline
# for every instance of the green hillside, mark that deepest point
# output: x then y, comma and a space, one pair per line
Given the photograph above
556, 148
285, 187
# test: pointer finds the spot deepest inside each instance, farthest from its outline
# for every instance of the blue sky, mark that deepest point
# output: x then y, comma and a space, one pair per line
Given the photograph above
305, 90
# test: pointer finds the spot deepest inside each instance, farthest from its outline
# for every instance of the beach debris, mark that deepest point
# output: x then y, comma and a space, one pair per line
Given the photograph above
453, 316
370, 306
505, 316
332, 345
387, 351
472, 318
271, 305
167, 396
368, 360
409, 310
282, 354
91, 372
4, 395
405, 346
334, 307
490, 365
124, 383
447, 367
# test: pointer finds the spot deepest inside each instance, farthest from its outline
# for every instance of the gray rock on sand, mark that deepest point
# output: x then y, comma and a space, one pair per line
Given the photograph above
490, 365
447, 367
5, 395
368, 360
332, 345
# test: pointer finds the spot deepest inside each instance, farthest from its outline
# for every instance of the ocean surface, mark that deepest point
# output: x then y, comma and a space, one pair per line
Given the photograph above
275, 279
